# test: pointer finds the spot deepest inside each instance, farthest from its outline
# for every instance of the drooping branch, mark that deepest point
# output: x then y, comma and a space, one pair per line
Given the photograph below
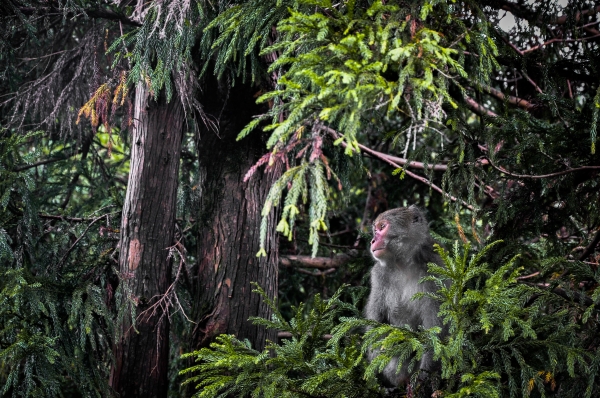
567, 295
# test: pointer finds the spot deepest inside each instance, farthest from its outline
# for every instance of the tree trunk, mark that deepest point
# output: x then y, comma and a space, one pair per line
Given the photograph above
229, 233
147, 231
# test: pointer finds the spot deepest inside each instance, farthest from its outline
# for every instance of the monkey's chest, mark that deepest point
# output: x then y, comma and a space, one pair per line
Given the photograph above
399, 307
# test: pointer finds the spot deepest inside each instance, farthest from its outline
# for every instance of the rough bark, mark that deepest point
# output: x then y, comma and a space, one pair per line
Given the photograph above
230, 224
147, 230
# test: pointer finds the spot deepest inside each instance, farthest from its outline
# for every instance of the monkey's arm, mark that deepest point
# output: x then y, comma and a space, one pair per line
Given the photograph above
375, 307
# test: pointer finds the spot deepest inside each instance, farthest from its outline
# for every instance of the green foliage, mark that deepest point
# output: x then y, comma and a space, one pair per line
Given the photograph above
304, 364
341, 67
500, 338
55, 324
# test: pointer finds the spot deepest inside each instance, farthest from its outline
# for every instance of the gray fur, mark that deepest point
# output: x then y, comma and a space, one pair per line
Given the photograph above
395, 280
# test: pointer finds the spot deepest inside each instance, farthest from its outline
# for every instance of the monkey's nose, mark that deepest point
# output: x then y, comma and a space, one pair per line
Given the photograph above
372, 240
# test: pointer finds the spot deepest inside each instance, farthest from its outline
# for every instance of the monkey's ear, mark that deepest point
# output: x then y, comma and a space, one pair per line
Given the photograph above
416, 213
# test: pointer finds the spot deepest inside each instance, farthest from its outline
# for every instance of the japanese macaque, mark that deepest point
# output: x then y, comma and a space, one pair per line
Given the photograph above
402, 247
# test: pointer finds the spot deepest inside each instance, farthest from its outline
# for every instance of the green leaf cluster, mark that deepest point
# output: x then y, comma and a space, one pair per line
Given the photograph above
344, 68
500, 338
304, 364
55, 324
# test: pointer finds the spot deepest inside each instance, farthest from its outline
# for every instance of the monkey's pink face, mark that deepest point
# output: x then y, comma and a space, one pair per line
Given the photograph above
378, 243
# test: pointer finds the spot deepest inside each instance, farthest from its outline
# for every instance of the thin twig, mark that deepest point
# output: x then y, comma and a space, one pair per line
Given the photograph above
317, 262
55, 217
539, 46
537, 177
539, 90
64, 257
591, 247
528, 276
317, 273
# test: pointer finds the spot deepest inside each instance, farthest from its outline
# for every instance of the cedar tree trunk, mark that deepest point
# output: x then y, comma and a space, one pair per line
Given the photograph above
147, 231
230, 223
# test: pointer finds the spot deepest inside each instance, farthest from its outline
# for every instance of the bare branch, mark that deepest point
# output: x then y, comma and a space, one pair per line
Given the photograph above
562, 20
43, 162
539, 90
478, 108
316, 273
559, 40
318, 262
528, 276
401, 161
388, 160
537, 177
510, 98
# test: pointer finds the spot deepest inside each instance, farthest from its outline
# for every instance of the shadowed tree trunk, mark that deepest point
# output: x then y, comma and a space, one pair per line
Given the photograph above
147, 231
230, 225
